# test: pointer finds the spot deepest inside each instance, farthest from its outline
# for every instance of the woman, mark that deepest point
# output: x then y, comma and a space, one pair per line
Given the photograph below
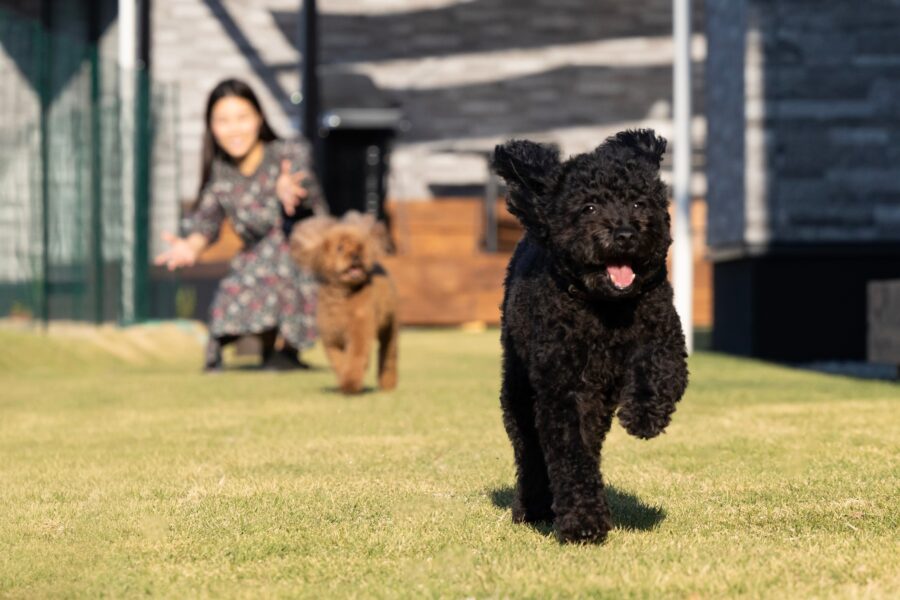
257, 181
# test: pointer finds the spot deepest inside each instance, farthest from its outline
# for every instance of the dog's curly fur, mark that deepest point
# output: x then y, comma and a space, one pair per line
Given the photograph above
357, 302
588, 325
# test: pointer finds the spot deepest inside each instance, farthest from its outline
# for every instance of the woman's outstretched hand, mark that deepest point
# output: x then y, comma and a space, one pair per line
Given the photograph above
288, 188
182, 252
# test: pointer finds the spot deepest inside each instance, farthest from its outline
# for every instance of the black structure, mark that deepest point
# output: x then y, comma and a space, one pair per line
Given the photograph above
308, 35
350, 124
357, 124
798, 304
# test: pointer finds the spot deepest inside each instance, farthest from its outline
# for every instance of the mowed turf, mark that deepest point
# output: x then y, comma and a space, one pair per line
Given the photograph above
124, 471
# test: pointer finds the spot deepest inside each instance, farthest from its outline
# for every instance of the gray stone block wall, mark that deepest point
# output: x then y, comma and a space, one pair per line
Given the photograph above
725, 36
819, 162
421, 31
467, 74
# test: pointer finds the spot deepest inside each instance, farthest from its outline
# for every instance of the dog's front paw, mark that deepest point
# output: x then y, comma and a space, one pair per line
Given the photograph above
644, 416
583, 526
387, 381
351, 382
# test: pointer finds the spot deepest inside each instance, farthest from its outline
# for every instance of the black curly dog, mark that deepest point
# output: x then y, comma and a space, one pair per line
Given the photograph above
588, 322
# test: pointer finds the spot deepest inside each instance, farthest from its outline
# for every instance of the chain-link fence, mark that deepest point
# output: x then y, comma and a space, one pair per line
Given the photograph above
84, 148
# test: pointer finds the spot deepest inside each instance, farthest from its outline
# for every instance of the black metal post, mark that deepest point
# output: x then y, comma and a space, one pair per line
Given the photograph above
490, 208
309, 103
96, 163
142, 166
46, 99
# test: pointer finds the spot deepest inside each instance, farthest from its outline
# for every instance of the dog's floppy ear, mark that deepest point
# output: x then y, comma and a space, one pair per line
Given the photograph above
375, 230
354, 217
643, 143
531, 171
307, 238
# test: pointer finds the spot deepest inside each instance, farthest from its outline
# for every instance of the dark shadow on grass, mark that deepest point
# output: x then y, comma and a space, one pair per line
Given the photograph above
631, 513
628, 511
333, 389
256, 368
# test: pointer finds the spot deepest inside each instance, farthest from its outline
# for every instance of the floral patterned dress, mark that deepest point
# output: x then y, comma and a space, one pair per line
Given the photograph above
265, 288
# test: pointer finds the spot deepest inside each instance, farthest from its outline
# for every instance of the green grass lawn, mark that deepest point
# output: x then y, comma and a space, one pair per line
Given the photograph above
124, 472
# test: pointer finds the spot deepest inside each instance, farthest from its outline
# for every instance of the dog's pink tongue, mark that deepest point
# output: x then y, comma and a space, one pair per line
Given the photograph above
622, 275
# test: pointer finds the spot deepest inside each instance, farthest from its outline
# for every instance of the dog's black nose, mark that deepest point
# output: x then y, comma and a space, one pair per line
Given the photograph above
624, 234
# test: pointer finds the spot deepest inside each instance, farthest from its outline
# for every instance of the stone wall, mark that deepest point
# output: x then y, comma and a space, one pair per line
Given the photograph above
804, 123
466, 74
726, 122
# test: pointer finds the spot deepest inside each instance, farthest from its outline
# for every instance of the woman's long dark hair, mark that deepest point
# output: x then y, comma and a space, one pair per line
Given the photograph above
211, 149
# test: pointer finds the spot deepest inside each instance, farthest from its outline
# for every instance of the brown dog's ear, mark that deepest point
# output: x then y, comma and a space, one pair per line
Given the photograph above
307, 238
372, 228
361, 220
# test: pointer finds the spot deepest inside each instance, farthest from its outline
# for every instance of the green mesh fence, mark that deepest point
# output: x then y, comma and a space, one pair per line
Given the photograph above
85, 149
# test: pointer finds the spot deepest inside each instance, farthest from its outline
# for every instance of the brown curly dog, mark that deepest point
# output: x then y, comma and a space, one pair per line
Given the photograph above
357, 302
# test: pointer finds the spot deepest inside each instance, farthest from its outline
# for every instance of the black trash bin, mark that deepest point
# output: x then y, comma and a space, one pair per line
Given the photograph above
356, 126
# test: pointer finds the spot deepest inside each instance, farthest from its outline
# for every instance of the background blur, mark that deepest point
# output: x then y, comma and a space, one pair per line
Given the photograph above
796, 147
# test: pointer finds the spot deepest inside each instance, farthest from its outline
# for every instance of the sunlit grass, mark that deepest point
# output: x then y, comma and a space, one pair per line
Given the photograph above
125, 471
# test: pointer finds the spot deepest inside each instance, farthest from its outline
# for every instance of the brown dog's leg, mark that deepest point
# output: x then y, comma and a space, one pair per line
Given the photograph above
336, 356
356, 359
387, 356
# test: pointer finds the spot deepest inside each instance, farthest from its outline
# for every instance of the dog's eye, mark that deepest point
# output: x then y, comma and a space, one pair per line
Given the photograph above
589, 209
638, 204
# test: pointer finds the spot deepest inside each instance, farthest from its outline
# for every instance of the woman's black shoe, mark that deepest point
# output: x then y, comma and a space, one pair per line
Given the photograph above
212, 362
284, 360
